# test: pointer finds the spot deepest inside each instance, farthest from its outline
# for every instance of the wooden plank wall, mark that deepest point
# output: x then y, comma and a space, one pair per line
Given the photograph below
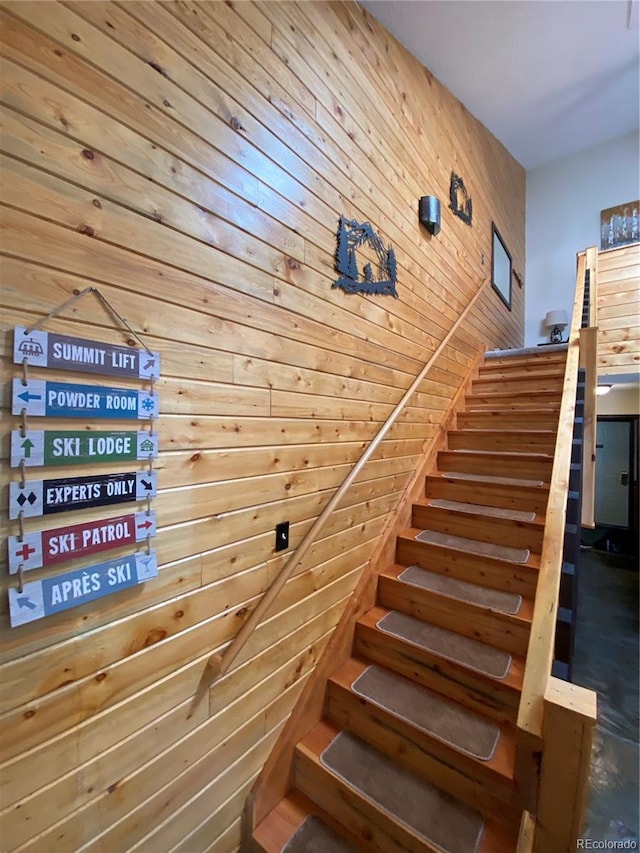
619, 310
191, 160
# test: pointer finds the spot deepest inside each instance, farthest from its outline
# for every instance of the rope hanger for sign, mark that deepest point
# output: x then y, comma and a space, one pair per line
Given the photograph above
121, 364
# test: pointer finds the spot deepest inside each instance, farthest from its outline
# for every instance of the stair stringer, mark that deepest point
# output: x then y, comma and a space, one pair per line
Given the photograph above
276, 777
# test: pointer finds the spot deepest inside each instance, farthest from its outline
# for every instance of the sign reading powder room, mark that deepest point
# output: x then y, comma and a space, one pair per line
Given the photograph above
47, 547
71, 447
43, 497
45, 349
37, 397
51, 595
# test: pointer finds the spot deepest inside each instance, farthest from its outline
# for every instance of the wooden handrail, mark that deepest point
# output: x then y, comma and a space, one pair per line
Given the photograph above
219, 664
543, 625
589, 361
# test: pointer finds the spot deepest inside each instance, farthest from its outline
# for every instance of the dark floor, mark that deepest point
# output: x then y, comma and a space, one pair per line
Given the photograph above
606, 660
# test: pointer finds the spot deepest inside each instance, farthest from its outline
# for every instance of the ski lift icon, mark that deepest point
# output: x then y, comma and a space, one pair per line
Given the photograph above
30, 348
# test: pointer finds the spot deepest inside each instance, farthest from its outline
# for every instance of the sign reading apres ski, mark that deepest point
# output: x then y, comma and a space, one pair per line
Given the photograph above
46, 349
61, 592
47, 547
38, 397
71, 447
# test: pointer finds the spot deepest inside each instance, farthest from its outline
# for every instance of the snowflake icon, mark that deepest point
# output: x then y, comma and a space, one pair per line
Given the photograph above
148, 404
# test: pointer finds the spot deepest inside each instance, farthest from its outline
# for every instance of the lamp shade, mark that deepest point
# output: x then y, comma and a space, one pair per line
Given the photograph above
556, 318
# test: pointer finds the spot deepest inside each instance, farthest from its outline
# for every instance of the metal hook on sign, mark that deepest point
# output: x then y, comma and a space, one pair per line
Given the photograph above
148, 544
150, 424
25, 373
152, 380
21, 525
148, 504
21, 578
151, 463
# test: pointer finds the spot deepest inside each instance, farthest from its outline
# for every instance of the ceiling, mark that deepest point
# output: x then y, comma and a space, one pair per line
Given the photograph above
547, 77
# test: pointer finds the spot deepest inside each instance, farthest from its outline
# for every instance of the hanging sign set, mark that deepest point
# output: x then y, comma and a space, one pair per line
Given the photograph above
34, 398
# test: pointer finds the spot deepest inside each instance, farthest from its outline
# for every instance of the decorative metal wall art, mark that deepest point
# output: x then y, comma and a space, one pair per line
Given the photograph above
353, 237
459, 199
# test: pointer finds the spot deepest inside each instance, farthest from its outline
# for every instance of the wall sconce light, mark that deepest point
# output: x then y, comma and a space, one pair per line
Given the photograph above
429, 213
601, 390
556, 321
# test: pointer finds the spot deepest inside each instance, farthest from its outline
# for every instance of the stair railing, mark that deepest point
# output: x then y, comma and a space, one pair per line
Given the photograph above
219, 664
556, 719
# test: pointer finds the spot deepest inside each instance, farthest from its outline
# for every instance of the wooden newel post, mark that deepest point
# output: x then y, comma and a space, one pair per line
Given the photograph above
569, 720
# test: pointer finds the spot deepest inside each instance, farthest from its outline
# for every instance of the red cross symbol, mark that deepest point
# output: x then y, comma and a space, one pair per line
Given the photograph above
26, 551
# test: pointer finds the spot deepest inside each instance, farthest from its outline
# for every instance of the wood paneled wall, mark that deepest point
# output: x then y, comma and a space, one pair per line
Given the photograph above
619, 310
191, 160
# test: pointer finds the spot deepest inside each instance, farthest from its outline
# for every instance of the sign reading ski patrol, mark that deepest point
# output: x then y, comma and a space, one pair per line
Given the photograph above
46, 349
47, 547
66, 400
43, 497
70, 447
51, 595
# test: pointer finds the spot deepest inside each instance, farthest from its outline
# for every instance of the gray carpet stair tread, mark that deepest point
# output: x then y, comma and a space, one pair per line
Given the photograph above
496, 599
534, 351
432, 814
444, 720
474, 546
462, 650
314, 836
489, 478
481, 509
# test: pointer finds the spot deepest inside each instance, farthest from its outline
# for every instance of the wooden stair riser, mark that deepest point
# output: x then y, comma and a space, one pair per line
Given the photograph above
523, 466
477, 783
543, 419
507, 441
514, 372
501, 630
539, 361
350, 808
506, 401
474, 568
483, 528
520, 498
517, 385
497, 699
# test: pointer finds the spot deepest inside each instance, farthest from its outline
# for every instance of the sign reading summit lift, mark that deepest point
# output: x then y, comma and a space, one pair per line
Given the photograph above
47, 547
38, 397
71, 447
46, 349
51, 595
43, 497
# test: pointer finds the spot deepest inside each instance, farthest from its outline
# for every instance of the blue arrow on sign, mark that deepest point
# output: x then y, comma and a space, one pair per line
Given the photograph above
25, 601
29, 396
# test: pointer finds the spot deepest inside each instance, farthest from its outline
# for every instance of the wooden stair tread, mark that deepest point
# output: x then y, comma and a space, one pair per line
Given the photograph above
535, 486
287, 816
477, 512
410, 652
499, 761
410, 533
374, 821
523, 615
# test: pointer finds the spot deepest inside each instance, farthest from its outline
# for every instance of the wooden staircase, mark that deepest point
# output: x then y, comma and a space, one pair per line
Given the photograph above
416, 749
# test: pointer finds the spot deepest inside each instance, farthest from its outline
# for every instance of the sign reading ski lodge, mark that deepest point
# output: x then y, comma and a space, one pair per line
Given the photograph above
39, 549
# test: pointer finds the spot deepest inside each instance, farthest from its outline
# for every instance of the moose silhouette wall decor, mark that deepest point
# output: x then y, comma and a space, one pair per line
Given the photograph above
354, 236
459, 199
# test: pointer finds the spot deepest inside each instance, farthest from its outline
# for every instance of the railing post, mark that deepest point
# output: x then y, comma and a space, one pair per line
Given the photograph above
569, 720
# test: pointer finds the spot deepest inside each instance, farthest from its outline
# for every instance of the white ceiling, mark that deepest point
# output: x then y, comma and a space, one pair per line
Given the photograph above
547, 77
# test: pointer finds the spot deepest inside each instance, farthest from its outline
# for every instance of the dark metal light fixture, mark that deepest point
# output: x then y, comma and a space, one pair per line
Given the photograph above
429, 213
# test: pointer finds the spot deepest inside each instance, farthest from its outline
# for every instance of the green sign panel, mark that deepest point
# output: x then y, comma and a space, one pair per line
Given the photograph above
76, 447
